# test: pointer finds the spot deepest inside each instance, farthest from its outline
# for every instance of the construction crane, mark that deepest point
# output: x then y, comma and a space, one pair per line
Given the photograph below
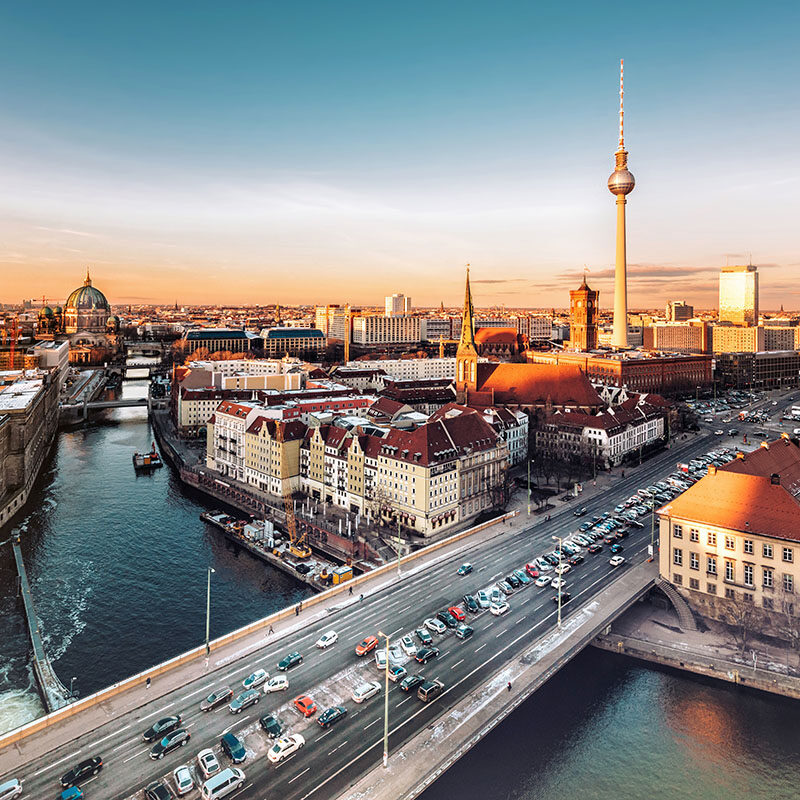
297, 546
14, 336
443, 342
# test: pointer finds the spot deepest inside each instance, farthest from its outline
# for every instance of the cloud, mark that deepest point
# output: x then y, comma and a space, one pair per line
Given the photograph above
500, 280
70, 231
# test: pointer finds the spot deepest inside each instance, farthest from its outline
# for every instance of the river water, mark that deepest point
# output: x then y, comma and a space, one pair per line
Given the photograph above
118, 565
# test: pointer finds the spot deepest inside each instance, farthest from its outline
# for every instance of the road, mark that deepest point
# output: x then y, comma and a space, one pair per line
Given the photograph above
334, 759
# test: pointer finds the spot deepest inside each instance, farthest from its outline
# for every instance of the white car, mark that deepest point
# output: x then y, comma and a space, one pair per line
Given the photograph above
483, 599
365, 691
616, 561
562, 569
184, 782
409, 648
284, 747
544, 566
380, 659
498, 609
542, 580
280, 683
255, 679
327, 639
435, 625
558, 583
208, 763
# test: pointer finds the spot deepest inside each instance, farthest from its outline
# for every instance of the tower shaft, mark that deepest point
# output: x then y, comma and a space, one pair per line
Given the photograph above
620, 333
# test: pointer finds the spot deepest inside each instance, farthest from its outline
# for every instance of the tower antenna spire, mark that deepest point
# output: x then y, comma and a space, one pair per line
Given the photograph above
621, 105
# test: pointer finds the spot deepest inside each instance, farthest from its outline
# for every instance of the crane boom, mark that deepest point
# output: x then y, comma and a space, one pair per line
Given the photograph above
297, 546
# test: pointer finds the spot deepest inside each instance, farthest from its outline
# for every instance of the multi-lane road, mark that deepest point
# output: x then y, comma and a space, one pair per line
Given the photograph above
333, 759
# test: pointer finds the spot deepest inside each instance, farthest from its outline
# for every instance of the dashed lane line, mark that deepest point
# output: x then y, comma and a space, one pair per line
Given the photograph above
56, 763
375, 721
457, 663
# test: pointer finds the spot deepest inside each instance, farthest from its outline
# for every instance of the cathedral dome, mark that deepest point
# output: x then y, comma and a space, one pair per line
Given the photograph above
45, 311
87, 297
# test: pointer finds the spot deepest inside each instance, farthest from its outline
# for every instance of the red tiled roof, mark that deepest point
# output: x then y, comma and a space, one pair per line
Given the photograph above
233, 409
496, 336
535, 384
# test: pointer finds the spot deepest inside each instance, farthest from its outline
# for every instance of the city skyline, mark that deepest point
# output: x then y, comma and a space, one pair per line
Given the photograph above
369, 164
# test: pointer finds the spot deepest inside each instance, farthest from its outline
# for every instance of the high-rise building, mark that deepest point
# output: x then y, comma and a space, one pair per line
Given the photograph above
621, 183
398, 305
583, 318
679, 311
738, 295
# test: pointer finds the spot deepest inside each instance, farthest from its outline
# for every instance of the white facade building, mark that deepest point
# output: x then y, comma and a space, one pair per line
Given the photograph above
375, 331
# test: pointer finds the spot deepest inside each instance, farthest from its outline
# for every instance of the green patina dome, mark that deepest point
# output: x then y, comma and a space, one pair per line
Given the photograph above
87, 297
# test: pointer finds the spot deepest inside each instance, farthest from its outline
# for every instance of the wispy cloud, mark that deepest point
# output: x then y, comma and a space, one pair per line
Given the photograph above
70, 231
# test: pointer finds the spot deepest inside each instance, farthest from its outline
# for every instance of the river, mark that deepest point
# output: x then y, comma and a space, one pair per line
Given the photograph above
118, 567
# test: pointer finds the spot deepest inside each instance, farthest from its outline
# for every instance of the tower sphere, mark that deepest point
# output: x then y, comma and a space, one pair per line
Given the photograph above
621, 181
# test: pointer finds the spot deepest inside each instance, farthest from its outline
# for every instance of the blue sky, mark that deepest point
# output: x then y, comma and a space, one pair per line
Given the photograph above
262, 152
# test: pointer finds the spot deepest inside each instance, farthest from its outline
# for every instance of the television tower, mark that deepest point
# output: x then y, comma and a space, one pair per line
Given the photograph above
621, 183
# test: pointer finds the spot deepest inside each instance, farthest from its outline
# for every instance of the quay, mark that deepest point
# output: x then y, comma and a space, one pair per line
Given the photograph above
54, 694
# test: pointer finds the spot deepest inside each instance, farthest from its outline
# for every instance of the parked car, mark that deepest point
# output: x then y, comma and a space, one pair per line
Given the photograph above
498, 609
397, 673
244, 700
458, 613
423, 636
532, 570
365, 691
233, 748
284, 747
305, 705
447, 618
522, 576
471, 604
505, 587
271, 725
409, 648
435, 625
157, 790
184, 780
207, 761
483, 599
542, 580
513, 581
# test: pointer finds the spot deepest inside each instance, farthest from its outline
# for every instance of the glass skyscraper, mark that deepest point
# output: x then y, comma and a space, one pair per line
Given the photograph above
738, 295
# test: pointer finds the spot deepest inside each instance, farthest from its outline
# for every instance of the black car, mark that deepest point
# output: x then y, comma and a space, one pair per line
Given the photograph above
579, 512
551, 559
425, 654
424, 636
233, 748
272, 726
471, 604
292, 660
410, 682
565, 597
447, 618
575, 560
217, 698
332, 715
161, 728
158, 791
514, 581
82, 771
169, 743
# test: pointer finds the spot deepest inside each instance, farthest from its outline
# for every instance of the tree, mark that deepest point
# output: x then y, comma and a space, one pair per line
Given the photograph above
741, 616
789, 621
501, 490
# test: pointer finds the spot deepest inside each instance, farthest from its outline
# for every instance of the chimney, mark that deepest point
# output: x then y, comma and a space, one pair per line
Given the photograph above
740, 454
712, 469
765, 445
775, 479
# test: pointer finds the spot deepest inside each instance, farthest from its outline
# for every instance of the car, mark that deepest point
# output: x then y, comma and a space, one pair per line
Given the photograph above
424, 655
584, 526
284, 747
217, 698
458, 613
397, 673
447, 618
254, 679
366, 646
407, 643
305, 705
430, 690
542, 580
558, 583
483, 599
636, 523
271, 726
435, 625
465, 569
207, 761
513, 581
233, 748
244, 700
498, 609
616, 548
172, 741
380, 659
331, 716
579, 512
562, 570
464, 632
11, 788
410, 682
616, 561
575, 560
581, 540
495, 595
423, 636
543, 565
292, 660
365, 691
471, 604
522, 576
81, 771
733, 432
505, 587
280, 683
611, 539
595, 548
532, 570
551, 559
159, 729
565, 597
327, 639
157, 790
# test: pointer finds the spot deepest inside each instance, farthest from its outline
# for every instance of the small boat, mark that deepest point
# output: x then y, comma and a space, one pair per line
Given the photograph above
147, 461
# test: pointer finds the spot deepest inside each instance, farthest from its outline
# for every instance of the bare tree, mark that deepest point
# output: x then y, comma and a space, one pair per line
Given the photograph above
741, 617
790, 622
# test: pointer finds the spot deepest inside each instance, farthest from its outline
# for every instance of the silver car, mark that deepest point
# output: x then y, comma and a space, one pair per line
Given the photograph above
243, 700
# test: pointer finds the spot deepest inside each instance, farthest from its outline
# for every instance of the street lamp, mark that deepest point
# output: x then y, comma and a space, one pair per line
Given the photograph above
386, 706
71, 682
560, 579
208, 608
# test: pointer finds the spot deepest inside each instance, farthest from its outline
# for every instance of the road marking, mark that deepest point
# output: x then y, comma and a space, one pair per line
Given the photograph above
457, 663
519, 620
404, 608
481, 647
120, 746
204, 689
403, 701
234, 724
56, 763
156, 713
372, 723
502, 633
135, 755
299, 774
339, 747
394, 632
323, 735
110, 735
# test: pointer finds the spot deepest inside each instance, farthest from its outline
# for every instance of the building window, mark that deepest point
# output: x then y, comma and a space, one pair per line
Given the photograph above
694, 561
748, 598
729, 593
769, 579
677, 556
694, 535
748, 575
730, 543
711, 565
712, 539
748, 546
711, 588
788, 554
729, 567
767, 603
677, 531
788, 583
694, 583
767, 551
677, 578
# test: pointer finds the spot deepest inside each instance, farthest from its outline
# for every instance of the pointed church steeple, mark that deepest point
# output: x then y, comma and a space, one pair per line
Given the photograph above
467, 339
88, 280
467, 353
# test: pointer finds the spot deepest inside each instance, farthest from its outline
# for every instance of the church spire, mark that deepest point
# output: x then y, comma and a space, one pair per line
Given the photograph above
467, 341
88, 281
467, 353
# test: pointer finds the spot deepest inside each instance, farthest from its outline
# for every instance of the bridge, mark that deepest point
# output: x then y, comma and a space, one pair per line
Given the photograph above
132, 402
525, 647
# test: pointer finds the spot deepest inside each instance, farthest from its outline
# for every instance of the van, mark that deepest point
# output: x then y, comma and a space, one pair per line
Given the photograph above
9, 789
227, 782
430, 690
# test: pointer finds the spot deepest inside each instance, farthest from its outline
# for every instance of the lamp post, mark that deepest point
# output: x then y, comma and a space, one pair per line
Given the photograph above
560, 579
398, 545
386, 706
652, 533
71, 682
208, 608
529, 487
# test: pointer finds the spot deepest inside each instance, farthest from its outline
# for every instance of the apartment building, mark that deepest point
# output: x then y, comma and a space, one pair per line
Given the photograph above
411, 368
272, 455
374, 331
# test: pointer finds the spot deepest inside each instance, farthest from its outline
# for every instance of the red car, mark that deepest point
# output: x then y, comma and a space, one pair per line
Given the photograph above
369, 644
458, 613
532, 570
305, 705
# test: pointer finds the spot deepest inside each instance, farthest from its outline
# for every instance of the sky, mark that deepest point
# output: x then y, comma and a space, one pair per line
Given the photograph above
261, 152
